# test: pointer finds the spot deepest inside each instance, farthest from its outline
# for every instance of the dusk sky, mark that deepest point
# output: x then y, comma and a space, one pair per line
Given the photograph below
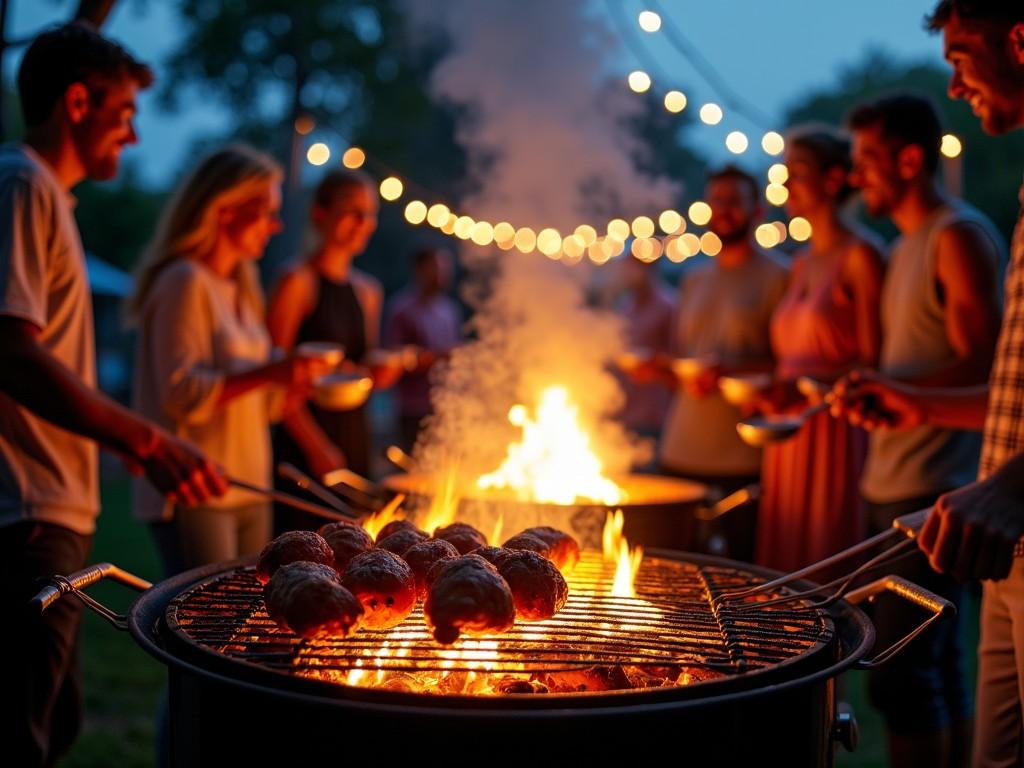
770, 54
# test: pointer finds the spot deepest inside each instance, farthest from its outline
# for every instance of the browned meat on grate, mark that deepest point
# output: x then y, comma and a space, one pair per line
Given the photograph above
400, 541
467, 595
398, 525
422, 556
564, 549
346, 541
464, 537
492, 555
528, 542
293, 547
538, 588
384, 584
308, 599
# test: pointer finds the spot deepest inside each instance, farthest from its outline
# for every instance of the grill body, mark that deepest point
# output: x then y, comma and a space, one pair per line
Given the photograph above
230, 709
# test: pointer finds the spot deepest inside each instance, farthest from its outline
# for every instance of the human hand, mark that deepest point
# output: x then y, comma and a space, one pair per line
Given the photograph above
703, 382
868, 400
177, 469
972, 532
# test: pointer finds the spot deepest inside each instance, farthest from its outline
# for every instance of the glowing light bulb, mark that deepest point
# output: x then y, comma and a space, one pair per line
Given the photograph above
778, 174
780, 227
482, 233
464, 227
675, 101
711, 244
767, 236
437, 215
416, 212
598, 253
773, 143
776, 194
449, 226
639, 81
951, 146
690, 243
700, 213
304, 125
619, 228
675, 251
711, 113
586, 233
573, 247
318, 153
671, 222
646, 249
800, 229
649, 21
526, 239
549, 242
737, 142
353, 158
643, 226
504, 232
391, 188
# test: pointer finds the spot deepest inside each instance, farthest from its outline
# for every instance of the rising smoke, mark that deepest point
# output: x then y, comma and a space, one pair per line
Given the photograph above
548, 148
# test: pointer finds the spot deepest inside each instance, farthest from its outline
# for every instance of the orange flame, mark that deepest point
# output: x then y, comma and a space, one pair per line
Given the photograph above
616, 549
444, 502
553, 462
388, 513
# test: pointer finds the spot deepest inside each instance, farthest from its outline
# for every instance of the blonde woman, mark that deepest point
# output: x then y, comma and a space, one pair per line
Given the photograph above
203, 367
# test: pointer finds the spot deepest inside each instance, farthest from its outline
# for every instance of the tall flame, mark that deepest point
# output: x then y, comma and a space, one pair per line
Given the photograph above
553, 462
616, 549
386, 514
444, 501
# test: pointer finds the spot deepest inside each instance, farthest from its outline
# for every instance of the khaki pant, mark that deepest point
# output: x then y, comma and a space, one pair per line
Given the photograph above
203, 535
999, 730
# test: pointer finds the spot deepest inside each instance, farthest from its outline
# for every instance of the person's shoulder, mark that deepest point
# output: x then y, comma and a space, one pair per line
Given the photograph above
295, 278
401, 302
964, 228
367, 285
19, 167
181, 274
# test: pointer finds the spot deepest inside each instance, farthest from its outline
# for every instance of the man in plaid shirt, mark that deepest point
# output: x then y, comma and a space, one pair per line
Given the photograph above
975, 532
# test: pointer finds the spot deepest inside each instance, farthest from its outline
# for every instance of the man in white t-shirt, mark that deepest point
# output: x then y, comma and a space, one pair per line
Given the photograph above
77, 92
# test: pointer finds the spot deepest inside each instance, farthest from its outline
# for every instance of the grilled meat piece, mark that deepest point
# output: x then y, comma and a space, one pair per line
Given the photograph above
398, 525
400, 541
308, 599
384, 584
538, 588
466, 538
530, 543
292, 547
564, 550
423, 555
346, 541
492, 555
467, 595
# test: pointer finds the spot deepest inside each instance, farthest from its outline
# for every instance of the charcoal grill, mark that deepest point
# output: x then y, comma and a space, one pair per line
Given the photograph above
722, 681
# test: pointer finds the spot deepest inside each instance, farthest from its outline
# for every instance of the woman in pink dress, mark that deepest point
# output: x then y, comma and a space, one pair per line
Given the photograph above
826, 325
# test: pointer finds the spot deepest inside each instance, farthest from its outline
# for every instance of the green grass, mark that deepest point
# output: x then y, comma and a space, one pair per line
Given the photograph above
123, 684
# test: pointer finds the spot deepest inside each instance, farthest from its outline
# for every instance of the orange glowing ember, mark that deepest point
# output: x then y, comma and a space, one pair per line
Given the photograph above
616, 550
553, 462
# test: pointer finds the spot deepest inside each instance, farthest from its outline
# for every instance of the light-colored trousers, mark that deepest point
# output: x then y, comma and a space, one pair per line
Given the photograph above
203, 535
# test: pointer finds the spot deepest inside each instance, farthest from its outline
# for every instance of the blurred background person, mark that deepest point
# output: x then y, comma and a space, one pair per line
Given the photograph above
826, 324
647, 307
723, 320
940, 311
203, 367
424, 316
325, 299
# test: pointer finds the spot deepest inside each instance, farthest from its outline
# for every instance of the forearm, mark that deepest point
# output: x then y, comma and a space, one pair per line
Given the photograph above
963, 372
43, 385
238, 384
961, 408
303, 429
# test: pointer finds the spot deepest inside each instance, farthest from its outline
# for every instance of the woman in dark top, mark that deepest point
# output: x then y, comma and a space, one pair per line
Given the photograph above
326, 299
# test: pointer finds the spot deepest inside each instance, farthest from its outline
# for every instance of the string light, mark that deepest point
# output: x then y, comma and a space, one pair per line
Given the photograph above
464, 227
598, 253
690, 243
437, 215
587, 234
736, 142
618, 228
649, 21
800, 229
776, 194
780, 227
639, 81
353, 158
700, 213
526, 239
416, 212
646, 249
391, 188
318, 153
767, 236
504, 233
549, 242
951, 146
772, 143
449, 226
675, 251
643, 226
778, 174
711, 244
671, 222
482, 233
304, 125
573, 248
675, 101
711, 113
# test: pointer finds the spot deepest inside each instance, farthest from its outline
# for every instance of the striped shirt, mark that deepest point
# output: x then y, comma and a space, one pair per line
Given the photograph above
1004, 422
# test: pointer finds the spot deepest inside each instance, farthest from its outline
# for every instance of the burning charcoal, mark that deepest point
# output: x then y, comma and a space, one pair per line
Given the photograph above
464, 537
422, 556
592, 679
467, 595
385, 586
293, 547
398, 525
346, 541
399, 542
565, 551
308, 599
538, 588
510, 684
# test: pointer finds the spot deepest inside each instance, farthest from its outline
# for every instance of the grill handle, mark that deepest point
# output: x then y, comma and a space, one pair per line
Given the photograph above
929, 601
74, 584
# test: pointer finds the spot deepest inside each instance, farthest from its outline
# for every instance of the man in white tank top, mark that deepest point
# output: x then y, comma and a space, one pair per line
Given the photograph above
975, 532
940, 317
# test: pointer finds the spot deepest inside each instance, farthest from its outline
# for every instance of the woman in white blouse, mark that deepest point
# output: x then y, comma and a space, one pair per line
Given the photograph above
203, 367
